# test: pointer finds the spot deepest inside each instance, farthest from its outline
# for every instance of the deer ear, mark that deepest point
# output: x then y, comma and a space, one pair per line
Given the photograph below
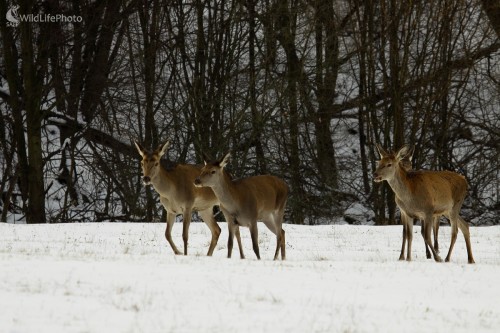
163, 149
411, 150
381, 150
140, 148
404, 153
225, 160
206, 159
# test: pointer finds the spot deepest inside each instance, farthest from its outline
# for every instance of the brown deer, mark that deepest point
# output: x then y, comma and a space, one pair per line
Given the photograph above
423, 195
406, 164
178, 195
247, 200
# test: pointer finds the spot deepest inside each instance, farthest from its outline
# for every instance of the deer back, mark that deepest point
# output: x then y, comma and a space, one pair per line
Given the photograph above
440, 190
268, 193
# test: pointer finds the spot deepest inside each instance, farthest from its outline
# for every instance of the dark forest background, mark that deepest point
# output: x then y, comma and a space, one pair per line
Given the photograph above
298, 88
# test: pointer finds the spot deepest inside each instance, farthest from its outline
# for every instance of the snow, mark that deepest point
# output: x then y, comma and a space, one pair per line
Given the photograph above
123, 277
359, 214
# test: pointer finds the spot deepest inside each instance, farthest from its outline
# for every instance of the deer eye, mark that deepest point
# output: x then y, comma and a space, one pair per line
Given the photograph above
213, 172
389, 165
156, 164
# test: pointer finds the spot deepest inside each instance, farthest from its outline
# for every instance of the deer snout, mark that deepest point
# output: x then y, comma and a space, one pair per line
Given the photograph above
376, 177
197, 182
146, 180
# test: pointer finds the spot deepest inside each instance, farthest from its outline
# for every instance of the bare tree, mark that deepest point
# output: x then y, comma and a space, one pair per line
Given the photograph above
301, 89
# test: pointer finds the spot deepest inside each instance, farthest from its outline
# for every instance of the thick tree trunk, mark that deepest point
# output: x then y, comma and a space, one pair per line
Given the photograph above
286, 37
34, 70
257, 121
326, 79
492, 10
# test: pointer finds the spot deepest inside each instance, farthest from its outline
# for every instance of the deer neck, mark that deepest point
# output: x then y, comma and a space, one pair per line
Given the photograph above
163, 182
226, 192
399, 183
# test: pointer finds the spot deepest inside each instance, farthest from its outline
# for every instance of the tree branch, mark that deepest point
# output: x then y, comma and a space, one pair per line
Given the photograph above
459, 64
92, 134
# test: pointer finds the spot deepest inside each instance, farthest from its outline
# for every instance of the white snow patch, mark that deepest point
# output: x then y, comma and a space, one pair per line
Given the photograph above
358, 214
102, 277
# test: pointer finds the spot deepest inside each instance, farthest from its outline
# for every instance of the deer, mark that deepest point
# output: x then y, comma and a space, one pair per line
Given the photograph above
423, 195
406, 164
178, 195
245, 201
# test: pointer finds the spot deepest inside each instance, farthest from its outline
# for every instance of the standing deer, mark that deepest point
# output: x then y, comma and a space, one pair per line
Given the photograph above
423, 195
406, 164
247, 200
178, 195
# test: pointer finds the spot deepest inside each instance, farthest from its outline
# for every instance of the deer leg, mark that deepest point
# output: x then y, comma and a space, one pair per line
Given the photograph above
280, 234
254, 233
185, 229
283, 245
270, 222
278, 245
238, 238
281, 217
409, 235
230, 227
459, 222
428, 240
436, 231
422, 231
454, 232
464, 227
168, 232
208, 218
403, 245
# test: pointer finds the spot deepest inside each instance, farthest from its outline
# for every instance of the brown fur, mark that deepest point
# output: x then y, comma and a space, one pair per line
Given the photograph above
246, 201
178, 195
406, 165
423, 195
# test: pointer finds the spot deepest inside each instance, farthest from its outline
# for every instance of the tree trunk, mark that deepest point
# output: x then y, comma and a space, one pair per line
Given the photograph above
326, 80
492, 10
34, 72
202, 117
257, 121
14, 79
286, 38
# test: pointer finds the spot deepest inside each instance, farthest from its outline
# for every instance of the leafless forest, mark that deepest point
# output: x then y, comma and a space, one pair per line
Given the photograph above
301, 89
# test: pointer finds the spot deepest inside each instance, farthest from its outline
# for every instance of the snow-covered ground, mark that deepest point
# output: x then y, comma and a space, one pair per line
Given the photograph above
109, 277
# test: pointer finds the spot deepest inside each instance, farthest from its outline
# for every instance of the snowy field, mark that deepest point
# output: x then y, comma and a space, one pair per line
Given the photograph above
111, 277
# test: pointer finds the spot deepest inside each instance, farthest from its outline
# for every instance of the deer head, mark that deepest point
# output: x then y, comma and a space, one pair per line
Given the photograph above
390, 162
212, 172
151, 161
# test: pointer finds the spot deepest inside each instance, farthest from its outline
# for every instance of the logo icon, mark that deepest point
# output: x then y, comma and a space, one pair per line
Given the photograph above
12, 17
